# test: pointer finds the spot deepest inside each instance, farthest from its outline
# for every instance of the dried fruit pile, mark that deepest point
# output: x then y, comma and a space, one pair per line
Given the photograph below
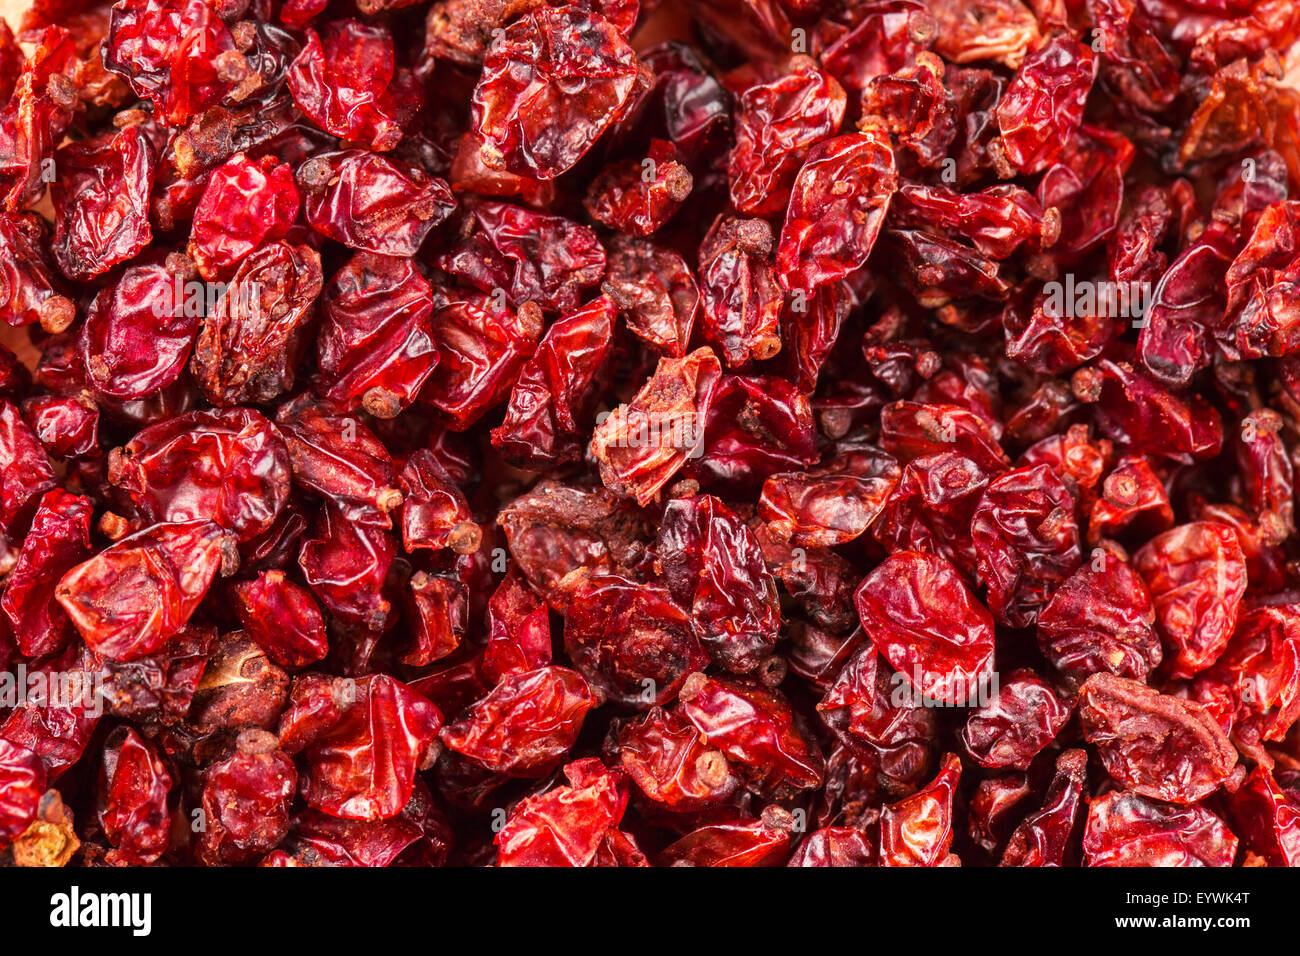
735, 432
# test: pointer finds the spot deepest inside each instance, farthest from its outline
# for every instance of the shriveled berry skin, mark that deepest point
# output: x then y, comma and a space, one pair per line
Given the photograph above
714, 567
917, 831
283, 618
435, 513
372, 203
926, 623
133, 799
346, 83
642, 444
832, 504
58, 735
779, 122
139, 332
739, 292
482, 348
1011, 729
166, 50
555, 529
345, 560
29, 279
746, 842
526, 724
1044, 103
530, 256
22, 781
340, 460
655, 291
231, 467
1196, 574
630, 640
1157, 745
1132, 494
888, 735
839, 203
25, 470
835, 846
491, 433
930, 509
1026, 542
568, 825
67, 428
671, 762
244, 204
550, 404
101, 202
1125, 829
361, 764
756, 728
247, 350
36, 117
1264, 813
638, 198
130, 598
247, 798
59, 539
1044, 838
551, 84
161, 686
376, 348
1101, 619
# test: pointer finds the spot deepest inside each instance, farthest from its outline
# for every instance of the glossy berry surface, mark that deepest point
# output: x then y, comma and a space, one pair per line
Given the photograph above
663, 433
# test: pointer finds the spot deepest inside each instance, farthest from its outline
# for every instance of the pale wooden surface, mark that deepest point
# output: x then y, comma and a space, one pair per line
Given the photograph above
12, 10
